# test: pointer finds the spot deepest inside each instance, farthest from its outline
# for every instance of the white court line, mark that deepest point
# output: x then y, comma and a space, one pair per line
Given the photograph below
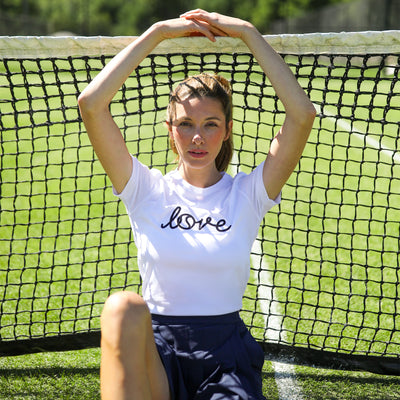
391, 154
285, 376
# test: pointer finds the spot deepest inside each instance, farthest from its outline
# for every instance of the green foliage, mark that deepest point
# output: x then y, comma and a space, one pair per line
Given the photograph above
135, 17
16, 7
123, 17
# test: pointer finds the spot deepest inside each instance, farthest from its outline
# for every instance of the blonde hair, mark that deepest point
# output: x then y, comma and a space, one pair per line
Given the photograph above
212, 86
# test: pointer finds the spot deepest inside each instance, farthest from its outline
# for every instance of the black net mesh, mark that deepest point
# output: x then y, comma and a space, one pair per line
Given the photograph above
325, 273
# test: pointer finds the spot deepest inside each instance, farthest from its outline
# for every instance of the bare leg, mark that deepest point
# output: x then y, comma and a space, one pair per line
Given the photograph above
131, 367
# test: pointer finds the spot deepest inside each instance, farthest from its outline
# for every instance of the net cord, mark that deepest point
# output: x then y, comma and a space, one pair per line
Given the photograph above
368, 42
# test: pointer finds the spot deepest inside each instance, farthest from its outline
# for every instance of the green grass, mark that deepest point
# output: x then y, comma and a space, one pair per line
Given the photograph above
75, 376
330, 250
325, 384
70, 375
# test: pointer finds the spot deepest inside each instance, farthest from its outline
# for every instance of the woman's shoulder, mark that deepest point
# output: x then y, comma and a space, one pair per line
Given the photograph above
251, 176
142, 179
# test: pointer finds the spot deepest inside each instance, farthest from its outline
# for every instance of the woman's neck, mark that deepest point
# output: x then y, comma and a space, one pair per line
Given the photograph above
199, 177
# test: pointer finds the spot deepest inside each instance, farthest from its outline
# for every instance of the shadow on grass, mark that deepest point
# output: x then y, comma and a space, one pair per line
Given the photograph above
338, 376
322, 384
49, 371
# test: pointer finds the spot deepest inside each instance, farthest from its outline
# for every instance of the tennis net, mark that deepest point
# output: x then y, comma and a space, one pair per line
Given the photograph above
325, 276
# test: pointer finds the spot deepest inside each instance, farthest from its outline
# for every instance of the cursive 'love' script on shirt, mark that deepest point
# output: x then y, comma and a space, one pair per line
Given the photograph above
187, 221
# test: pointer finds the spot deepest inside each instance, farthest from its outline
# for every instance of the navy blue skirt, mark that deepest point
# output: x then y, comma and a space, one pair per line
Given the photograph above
209, 358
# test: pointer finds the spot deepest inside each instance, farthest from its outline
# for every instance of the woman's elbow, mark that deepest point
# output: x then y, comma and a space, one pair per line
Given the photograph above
309, 110
307, 115
88, 105
302, 113
84, 102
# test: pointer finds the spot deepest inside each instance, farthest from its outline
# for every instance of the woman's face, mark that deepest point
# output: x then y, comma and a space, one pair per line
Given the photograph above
198, 130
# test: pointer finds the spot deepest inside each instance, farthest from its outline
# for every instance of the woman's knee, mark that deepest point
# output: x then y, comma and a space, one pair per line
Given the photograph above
124, 313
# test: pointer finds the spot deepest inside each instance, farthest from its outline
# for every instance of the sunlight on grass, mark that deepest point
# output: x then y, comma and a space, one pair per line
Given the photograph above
75, 376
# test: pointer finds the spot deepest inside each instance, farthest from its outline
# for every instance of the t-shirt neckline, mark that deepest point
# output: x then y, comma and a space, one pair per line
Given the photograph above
197, 189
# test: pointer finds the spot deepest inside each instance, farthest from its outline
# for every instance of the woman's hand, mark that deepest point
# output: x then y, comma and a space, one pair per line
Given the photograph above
181, 27
222, 24
202, 23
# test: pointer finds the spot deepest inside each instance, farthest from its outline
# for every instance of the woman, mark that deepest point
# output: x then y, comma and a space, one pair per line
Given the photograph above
193, 228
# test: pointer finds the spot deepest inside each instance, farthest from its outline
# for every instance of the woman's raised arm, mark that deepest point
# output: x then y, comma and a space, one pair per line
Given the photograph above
288, 145
94, 101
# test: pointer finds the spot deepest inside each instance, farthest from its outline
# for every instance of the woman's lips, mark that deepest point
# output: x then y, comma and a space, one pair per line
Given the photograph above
197, 153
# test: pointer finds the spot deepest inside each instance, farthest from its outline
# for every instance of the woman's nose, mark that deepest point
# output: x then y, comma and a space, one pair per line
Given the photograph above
197, 139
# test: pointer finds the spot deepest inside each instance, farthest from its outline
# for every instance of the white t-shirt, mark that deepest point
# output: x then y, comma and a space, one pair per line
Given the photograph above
194, 243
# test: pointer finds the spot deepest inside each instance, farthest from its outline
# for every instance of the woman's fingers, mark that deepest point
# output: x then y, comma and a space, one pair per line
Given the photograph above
222, 25
206, 27
216, 31
188, 27
202, 23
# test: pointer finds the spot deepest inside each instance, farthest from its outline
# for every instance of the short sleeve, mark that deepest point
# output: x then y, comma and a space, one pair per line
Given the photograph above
139, 185
253, 185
